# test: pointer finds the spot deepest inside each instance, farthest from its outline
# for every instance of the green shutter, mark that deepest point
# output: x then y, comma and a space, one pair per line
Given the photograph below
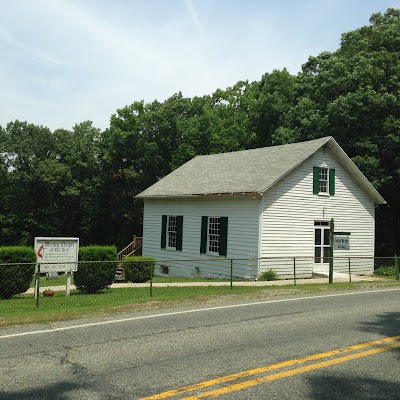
223, 236
179, 231
315, 180
332, 181
163, 231
203, 242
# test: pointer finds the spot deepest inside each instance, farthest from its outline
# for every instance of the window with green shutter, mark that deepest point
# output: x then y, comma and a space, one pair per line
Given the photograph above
203, 239
179, 232
163, 231
223, 236
214, 235
332, 181
324, 180
171, 232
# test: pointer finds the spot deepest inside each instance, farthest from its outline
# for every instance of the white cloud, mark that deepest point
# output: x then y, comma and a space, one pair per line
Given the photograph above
39, 55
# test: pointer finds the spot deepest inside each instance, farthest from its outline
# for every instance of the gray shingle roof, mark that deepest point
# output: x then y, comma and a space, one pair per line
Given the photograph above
246, 171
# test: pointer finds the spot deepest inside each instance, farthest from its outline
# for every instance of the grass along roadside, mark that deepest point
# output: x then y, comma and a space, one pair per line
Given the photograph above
22, 309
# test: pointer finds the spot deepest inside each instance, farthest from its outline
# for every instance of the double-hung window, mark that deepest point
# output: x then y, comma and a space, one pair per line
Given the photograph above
324, 180
214, 235
171, 232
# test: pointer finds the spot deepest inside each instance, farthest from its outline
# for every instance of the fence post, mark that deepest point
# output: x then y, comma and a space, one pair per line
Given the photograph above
294, 270
151, 283
396, 266
68, 284
37, 285
349, 270
231, 273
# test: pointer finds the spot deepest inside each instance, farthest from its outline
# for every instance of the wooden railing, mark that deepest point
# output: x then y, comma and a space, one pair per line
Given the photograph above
133, 249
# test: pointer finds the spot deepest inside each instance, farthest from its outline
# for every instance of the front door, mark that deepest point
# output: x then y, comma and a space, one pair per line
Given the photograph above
321, 242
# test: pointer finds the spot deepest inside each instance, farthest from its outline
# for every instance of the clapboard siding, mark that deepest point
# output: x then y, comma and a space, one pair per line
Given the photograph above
243, 219
290, 208
277, 226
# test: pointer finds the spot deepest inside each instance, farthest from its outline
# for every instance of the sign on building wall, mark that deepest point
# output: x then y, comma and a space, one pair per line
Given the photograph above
341, 242
56, 254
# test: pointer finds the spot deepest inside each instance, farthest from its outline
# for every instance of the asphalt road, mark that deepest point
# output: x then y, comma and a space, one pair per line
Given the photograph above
295, 348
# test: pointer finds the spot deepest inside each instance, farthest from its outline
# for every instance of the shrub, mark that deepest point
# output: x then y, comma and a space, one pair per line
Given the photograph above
98, 253
385, 271
16, 270
269, 275
139, 269
96, 269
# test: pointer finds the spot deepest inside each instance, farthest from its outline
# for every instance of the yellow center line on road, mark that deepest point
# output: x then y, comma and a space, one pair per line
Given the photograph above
280, 365
285, 374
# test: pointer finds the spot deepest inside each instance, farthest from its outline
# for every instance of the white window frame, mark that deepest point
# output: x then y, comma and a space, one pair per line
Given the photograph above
171, 232
213, 235
323, 247
324, 180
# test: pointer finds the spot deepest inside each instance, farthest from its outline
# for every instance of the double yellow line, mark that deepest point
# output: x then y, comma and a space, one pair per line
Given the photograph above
293, 367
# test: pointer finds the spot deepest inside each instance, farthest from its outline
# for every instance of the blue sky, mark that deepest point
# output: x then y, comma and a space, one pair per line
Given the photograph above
67, 61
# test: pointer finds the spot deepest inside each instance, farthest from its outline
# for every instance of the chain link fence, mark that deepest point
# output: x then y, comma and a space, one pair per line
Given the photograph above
92, 278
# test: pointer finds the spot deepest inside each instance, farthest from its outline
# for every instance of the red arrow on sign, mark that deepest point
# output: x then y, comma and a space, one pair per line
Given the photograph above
39, 253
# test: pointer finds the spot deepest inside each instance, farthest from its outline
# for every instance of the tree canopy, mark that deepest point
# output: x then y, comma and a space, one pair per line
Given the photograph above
83, 182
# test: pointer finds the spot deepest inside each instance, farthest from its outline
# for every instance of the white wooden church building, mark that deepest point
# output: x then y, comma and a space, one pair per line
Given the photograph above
271, 203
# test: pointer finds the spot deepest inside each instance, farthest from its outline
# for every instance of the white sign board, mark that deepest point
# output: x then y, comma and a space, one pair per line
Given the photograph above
341, 242
57, 254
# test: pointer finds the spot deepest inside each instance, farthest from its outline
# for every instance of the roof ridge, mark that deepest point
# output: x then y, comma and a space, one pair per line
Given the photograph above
262, 148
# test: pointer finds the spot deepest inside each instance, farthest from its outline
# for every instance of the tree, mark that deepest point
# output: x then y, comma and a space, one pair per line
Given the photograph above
354, 95
79, 201
138, 150
33, 177
220, 124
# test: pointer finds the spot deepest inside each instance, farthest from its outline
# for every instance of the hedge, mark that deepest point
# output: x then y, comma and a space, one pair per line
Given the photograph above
16, 270
96, 269
139, 269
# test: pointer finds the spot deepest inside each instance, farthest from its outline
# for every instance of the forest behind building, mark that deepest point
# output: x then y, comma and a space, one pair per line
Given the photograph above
83, 182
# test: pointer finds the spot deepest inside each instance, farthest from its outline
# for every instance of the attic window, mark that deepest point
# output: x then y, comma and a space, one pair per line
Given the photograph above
324, 180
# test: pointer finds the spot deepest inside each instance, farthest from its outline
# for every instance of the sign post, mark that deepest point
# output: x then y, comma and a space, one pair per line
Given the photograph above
331, 237
37, 282
58, 254
338, 241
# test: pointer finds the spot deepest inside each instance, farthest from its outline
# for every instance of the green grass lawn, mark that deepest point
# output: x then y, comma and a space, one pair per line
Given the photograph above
22, 309
60, 280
